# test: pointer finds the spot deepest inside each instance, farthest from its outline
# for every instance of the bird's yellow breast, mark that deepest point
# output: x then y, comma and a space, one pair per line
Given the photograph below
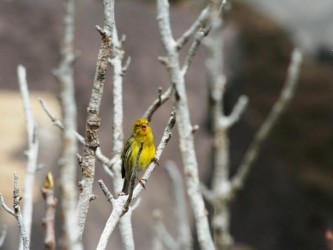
147, 155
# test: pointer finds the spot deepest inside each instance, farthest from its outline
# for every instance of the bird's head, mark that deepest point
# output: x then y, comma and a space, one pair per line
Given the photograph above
141, 127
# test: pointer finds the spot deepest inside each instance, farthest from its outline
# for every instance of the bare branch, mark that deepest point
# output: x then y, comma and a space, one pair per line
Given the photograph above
93, 118
278, 108
120, 202
106, 191
117, 109
56, 122
236, 113
200, 35
197, 24
162, 98
65, 77
3, 234
50, 210
183, 226
100, 156
16, 212
126, 65
184, 127
32, 151
5, 206
219, 197
125, 227
162, 233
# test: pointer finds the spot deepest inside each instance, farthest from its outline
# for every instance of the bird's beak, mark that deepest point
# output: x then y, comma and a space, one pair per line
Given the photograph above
144, 126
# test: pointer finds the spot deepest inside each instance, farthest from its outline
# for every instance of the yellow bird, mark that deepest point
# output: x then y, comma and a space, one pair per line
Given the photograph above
141, 132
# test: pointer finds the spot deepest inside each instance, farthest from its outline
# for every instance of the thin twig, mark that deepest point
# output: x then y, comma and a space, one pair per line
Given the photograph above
5, 206
162, 233
162, 98
106, 191
278, 108
198, 23
32, 151
238, 110
17, 213
3, 235
99, 155
200, 35
183, 227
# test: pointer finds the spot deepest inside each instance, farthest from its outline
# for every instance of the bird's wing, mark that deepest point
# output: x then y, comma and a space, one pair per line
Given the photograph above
126, 154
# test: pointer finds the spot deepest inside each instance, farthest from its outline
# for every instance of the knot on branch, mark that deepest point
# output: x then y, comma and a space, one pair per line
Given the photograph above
195, 128
102, 32
189, 174
17, 209
93, 197
87, 171
17, 199
92, 141
80, 183
177, 95
94, 122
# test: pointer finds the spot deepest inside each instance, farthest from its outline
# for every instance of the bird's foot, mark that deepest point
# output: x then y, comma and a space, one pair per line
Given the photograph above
141, 181
155, 160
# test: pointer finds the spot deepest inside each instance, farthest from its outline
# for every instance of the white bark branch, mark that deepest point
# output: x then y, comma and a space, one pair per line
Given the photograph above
3, 235
197, 24
125, 224
18, 215
117, 109
184, 128
16, 212
65, 77
93, 118
108, 163
200, 35
236, 113
184, 238
278, 108
5, 206
106, 191
125, 227
162, 98
218, 196
32, 152
161, 233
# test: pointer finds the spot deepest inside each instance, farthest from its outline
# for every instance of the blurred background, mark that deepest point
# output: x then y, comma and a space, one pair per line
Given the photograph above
287, 201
